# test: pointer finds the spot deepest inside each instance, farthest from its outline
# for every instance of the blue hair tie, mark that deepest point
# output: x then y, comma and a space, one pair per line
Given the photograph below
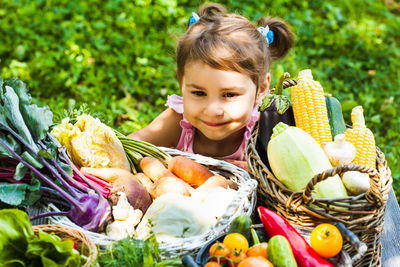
267, 33
193, 19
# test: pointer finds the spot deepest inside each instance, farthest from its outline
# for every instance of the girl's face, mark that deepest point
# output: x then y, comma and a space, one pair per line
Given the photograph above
216, 102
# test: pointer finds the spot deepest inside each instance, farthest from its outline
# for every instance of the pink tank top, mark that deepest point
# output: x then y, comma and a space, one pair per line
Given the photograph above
187, 136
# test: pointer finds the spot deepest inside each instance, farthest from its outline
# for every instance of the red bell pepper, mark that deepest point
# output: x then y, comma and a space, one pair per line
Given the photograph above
305, 256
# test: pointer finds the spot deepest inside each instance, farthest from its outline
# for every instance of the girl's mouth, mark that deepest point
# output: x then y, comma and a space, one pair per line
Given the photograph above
213, 124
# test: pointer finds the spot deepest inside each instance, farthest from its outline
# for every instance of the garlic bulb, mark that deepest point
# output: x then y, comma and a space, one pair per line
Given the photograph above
340, 151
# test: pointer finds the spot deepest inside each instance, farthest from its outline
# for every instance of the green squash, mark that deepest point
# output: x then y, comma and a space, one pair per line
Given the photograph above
335, 115
295, 157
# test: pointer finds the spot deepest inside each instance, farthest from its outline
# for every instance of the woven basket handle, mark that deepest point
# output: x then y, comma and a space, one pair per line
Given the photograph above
373, 194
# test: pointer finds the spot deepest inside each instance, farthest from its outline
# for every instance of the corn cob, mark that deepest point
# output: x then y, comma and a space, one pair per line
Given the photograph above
362, 138
309, 108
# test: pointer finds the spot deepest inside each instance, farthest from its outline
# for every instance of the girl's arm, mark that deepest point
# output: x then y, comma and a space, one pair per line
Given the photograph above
164, 130
239, 163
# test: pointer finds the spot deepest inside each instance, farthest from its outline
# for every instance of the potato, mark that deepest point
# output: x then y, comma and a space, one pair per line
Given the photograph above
170, 185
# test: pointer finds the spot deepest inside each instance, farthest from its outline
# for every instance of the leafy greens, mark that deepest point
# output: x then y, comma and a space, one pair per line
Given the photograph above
19, 245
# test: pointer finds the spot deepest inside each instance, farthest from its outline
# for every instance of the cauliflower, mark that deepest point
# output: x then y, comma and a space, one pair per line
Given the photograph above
126, 218
123, 211
91, 143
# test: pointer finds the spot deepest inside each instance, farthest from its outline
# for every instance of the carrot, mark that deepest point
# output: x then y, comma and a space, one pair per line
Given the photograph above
154, 168
189, 170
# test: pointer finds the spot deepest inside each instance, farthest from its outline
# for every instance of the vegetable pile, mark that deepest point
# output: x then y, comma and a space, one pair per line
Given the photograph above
317, 140
101, 180
80, 164
179, 190
280, 246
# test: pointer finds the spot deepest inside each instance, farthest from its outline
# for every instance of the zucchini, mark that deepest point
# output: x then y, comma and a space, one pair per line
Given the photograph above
335, 116
241, 224
280, 253
295, 157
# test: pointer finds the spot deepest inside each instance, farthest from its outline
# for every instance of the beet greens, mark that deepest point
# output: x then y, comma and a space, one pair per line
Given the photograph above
25, 138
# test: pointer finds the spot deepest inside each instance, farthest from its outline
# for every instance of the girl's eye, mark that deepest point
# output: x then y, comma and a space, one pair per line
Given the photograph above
199, 93
230, 94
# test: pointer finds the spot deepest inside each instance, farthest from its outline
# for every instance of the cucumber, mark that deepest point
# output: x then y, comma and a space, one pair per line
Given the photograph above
241, 224
335, 116
280, 253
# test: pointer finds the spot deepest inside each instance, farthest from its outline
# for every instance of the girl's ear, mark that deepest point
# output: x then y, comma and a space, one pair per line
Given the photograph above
264, 89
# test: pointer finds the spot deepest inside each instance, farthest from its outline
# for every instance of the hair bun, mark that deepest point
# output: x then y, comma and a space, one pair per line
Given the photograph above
211, 10
283, 36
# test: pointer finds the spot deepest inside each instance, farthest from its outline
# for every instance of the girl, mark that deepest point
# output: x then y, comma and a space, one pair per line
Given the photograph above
223, 64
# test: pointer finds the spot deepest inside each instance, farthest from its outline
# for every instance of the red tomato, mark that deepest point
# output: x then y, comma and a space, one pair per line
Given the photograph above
326, 240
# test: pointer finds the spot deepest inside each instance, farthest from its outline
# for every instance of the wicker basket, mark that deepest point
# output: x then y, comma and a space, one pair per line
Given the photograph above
243, 203
83, 243
362, 214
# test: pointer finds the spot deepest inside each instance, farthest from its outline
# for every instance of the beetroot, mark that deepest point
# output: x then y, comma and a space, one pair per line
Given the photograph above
136, 193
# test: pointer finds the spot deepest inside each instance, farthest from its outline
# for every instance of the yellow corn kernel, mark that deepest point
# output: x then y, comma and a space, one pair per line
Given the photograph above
362, 138
309, 108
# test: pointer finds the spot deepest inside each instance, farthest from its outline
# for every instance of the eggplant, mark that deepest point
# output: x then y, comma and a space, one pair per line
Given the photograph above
275, 108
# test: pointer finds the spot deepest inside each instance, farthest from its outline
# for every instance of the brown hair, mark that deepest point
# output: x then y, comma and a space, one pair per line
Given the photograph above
218, 32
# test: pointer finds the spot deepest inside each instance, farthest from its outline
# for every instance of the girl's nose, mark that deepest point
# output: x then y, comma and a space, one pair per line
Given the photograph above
214, 108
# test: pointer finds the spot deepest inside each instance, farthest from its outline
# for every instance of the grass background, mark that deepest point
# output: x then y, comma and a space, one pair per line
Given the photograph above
117, 57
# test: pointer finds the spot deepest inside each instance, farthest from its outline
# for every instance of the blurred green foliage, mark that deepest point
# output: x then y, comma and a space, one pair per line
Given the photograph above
118, 56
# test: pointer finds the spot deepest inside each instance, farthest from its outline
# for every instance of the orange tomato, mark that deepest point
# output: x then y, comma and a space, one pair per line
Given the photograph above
255, 262
258, 250
326, 240
236, 241
218, 249
212, 264
235, 258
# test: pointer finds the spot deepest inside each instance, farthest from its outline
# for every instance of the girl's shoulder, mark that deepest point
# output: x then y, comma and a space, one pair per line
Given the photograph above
175, 102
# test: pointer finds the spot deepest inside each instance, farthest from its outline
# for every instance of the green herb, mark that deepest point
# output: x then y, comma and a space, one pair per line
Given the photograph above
73, 113
134, 252
19, 246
